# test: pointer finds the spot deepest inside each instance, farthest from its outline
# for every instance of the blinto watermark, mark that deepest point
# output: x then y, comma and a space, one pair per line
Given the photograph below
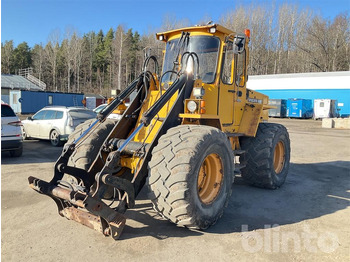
273, 240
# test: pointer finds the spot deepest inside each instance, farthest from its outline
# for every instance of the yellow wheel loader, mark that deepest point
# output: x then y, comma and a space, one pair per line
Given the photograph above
185, 135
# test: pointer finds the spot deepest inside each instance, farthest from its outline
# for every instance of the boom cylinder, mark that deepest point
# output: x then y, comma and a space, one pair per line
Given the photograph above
130, 148
119, 99
153, 111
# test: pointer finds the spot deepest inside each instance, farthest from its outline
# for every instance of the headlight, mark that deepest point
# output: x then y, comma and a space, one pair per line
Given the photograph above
191, 106
198, 92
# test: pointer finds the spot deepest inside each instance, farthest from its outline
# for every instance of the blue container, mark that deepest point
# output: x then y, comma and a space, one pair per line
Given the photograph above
299, 108
33, 101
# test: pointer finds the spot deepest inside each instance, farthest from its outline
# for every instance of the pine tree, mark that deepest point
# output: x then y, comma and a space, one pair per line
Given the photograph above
22, 57
100, 60
108, 41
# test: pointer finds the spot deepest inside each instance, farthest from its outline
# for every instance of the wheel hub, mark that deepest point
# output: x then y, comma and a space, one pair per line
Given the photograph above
210, 178
279, 157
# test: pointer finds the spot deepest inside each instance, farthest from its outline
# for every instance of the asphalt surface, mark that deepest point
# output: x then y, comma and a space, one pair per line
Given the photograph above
308, 219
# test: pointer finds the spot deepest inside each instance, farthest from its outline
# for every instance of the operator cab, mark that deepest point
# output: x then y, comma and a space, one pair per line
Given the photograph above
206, 43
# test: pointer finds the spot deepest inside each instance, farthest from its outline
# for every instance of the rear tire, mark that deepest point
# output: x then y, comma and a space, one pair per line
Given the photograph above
190, 175
267, 156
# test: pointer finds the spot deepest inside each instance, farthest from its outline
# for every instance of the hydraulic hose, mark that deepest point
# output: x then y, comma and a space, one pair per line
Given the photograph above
194, 58
157, 106
119, 99
156, 65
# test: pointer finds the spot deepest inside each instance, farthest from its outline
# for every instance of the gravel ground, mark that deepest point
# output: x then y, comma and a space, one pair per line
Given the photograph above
308, 219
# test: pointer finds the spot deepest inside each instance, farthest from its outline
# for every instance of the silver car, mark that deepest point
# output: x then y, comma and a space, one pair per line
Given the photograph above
11, 134
55, 123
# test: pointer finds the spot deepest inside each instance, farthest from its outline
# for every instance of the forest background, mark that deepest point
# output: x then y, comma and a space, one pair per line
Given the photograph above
285, 39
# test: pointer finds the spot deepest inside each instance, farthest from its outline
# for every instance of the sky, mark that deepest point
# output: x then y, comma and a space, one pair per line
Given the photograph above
33, 21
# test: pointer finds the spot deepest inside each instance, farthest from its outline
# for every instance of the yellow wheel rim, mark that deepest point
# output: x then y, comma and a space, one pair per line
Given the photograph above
279, 157
210, 178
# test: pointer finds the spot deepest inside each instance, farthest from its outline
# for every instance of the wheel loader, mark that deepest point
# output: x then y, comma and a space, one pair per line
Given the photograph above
188, 131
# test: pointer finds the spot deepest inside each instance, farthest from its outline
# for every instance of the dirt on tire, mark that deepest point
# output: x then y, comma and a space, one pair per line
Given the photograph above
258, 159
173, 174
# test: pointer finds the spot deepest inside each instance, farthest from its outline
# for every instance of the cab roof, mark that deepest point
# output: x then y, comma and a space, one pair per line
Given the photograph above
203, 28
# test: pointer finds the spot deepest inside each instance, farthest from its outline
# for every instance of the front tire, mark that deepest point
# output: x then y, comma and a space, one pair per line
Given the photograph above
86, 152
267, 156
190, 175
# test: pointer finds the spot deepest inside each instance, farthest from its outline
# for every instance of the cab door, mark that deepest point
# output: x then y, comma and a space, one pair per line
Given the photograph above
227, 87
240, 75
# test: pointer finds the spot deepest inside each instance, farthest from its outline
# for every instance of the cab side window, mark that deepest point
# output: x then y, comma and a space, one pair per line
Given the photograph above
227, 70
240, 66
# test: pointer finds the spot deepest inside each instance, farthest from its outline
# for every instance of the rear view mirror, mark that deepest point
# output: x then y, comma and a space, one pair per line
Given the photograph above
236, 43
239, 43
29, 118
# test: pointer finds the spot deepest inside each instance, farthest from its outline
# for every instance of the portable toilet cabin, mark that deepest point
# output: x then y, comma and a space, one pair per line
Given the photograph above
281, 107
325, 108
90, 102
299, 108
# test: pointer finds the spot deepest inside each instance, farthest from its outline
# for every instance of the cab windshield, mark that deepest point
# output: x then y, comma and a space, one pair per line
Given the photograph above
207, 49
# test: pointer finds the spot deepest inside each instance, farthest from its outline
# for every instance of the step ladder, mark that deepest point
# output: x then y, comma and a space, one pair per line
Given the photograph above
238, 167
